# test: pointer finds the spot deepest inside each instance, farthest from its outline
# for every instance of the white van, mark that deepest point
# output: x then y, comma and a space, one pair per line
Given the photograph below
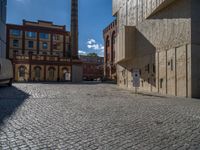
6, 72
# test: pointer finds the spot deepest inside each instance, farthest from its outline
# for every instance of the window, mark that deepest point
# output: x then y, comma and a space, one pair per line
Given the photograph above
37, 73
44, 45
66, 75
44, 36
107, 42
172, 65
147, 68
56, 37
154, 68
16, 43
22, 72
15, 32
30, 44
51, 74
31, 34
54, 45
161, 83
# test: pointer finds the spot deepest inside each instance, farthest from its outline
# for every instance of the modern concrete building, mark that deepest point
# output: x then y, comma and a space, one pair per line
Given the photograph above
161, 39
40, 51
3, 4
109, 35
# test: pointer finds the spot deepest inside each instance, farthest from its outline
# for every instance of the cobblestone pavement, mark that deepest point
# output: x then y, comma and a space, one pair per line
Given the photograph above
95, 116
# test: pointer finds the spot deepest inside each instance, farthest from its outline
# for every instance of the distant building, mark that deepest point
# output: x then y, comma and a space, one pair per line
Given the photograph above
109, 34
3, 4
92, 67
40, 51
160, 39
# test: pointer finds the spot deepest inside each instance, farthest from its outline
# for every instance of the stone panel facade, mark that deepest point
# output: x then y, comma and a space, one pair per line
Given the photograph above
166, 45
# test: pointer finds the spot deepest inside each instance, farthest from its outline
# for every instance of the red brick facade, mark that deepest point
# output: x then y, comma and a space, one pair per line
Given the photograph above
92, 67
40, 51
109, 35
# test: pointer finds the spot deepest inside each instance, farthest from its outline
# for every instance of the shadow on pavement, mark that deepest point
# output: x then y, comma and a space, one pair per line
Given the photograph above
10, 99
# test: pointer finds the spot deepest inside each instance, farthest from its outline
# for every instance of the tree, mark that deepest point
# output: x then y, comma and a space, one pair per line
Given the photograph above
92, 54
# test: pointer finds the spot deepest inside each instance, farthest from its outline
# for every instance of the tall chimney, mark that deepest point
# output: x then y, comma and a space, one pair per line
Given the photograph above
74, 29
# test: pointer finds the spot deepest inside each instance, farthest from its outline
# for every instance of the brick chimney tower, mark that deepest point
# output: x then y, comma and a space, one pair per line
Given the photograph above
74, 29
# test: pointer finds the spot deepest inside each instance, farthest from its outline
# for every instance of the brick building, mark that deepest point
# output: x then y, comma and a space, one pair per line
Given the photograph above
92, 67
160, 38
40, 51
109, 35
3, 4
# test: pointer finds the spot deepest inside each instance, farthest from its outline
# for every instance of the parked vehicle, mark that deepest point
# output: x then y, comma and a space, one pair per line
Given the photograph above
6, 72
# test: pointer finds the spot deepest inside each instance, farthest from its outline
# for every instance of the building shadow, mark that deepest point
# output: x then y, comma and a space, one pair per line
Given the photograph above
166, 10
11, 99
143, 59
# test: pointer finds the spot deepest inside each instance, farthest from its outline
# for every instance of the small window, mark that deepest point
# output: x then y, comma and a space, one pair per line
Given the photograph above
37, 73
44, 45
30, 44
44, 36
55, 46
16, 43
142, 83
140, 72
154, 68
31, 34
56, 37
161, 83
147, 68
108, 43
172, 65
15, 32
22, 71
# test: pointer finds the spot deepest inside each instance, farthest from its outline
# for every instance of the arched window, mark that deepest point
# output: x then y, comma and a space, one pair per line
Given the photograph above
113, 38
51, 73
66, 74
107, 41
113, 46
107, 45
22, 70
37, 73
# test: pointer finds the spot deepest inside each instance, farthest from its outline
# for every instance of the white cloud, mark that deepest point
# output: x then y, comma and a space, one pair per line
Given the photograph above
91, 41
92, 44
82, 52
22, 1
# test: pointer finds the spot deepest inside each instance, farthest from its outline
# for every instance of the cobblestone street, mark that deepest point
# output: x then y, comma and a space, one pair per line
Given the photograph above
95, 116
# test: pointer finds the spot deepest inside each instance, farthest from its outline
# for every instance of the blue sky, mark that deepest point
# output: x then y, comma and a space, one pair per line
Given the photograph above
94, 16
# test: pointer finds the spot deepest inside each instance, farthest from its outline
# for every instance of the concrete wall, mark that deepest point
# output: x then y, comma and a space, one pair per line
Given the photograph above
163, 45
77, 73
